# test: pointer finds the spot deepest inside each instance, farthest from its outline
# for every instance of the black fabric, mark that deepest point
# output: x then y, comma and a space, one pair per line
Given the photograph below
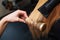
16, 31
48, 7
55, 30
54, 33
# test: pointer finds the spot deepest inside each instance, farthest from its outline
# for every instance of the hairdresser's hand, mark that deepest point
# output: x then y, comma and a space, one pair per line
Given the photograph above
18, 15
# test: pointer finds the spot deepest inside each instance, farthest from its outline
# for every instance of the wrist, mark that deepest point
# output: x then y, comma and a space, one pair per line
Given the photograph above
3, 20
3, 23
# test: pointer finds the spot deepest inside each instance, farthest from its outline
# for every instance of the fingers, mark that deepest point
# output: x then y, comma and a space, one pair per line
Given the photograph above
20, 12
20, 20
20, 15
25, 14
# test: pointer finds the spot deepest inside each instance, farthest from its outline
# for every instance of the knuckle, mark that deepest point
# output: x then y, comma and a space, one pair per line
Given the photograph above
25, 12
18, 10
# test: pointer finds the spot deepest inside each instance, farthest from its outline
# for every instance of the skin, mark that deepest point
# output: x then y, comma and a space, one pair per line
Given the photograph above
18, 15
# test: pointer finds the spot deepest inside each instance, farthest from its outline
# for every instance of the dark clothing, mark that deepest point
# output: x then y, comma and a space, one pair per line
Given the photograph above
54, 33
16, 31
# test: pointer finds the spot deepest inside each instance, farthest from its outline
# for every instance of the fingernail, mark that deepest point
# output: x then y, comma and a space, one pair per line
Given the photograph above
23, 21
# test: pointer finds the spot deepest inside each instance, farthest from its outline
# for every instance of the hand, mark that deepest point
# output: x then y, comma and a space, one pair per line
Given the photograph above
18, 15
